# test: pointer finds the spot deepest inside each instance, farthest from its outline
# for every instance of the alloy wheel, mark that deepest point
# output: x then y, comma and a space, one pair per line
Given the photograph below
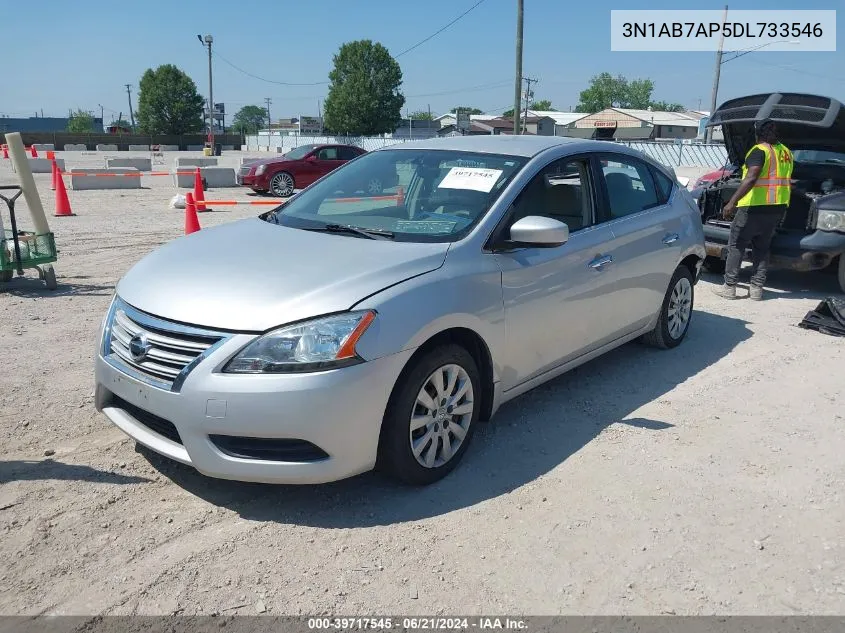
680, 308
282, 185
441, 416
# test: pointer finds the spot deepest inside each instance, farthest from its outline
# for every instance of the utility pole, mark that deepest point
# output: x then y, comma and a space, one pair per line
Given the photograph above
102, 115
708, 136
131, 113
528, 95
320, 115
267, 102
517, 89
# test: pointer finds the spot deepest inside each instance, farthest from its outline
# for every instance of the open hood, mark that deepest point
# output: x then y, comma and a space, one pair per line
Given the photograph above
804, 121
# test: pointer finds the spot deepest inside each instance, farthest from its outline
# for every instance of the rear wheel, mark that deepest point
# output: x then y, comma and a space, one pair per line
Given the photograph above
431, 416
282, 185
675, 312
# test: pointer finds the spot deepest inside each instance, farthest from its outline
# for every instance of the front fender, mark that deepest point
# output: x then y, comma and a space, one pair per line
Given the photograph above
467, 295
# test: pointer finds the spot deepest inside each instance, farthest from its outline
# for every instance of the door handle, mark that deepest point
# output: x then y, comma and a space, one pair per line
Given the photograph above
599, 262
671, 239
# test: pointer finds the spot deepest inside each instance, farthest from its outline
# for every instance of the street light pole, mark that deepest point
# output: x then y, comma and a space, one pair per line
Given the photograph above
207, 42
709, 130
517, 87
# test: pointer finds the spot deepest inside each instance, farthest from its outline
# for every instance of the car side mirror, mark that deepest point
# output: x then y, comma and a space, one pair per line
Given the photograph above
538, 232
310, 158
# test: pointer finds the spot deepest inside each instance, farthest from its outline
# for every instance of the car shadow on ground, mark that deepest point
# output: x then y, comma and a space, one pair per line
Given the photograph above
26, 470
527, 438
787, 284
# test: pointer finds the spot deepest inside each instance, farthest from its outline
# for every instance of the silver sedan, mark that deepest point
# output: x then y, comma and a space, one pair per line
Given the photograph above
344, 331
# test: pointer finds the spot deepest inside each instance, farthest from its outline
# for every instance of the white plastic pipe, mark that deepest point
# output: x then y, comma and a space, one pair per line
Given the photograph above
21, 164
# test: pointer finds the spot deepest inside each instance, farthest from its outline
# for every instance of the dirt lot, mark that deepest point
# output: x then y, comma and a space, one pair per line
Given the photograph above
708, 479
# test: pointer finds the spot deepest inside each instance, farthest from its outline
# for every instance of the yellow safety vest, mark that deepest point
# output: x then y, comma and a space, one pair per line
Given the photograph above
773, 186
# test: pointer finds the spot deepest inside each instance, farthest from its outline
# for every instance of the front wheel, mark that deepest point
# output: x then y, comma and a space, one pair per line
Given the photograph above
282, 185
675, 312
431, 416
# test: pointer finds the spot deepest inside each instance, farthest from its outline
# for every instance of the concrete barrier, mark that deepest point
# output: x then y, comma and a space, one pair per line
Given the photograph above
215, 177
79, 183
139, 148
42, 165
168, 148
75, 147
194, 162
106, 148
44, 147
141, 164
246, 161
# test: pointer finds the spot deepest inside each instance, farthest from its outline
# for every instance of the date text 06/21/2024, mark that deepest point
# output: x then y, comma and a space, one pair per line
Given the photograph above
717, 29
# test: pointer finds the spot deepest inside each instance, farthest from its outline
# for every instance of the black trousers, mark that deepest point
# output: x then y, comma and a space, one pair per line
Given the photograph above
757, 230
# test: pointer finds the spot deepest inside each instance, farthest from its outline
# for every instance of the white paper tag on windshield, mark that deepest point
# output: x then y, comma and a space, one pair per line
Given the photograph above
475, 178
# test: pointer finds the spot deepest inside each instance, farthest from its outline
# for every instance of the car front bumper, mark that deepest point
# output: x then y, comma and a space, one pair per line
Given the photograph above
792, 250
338, 411
252, 181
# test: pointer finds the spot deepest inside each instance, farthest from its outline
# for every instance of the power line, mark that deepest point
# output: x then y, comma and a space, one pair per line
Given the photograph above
439, 31
796, 70
497, 84
270, 81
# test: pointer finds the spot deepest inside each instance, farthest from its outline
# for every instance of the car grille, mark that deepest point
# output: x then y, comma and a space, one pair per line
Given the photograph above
244, 171
172, 350
157, 425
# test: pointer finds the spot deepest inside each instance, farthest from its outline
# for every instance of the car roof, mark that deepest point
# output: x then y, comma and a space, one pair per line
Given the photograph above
514, 145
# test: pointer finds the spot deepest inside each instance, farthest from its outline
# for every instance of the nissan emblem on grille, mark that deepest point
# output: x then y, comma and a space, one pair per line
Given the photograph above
139, 347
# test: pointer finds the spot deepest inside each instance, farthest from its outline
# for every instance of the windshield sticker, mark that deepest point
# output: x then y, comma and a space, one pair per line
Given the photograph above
461, 162
474, 178
424, 226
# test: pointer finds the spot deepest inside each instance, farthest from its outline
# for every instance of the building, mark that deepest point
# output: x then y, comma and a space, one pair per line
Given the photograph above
627, 124
562, 120
42, 124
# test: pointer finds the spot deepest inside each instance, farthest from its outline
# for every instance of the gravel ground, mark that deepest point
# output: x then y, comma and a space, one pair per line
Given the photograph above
703, 480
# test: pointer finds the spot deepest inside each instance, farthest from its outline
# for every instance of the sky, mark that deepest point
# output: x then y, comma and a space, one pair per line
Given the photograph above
57, 55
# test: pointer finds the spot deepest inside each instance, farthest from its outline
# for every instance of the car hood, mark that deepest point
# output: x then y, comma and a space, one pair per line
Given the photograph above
803, 121
251, 276
268, 161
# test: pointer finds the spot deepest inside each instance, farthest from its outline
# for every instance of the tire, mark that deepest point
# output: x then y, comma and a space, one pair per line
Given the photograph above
396, 448
679, 301
282, 185
841, 272
50, 278
714, 265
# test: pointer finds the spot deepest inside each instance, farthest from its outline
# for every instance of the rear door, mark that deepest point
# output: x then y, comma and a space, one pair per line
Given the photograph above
646, 244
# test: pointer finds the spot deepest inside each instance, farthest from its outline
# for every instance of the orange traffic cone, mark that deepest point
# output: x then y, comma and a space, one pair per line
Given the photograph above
62, 202
192, 222
400, 197
51, 155
55, 174
33, 151
199, 196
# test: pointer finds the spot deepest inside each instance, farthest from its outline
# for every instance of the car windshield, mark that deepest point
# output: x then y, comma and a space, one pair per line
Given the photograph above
818, 156
405, 194
299, 152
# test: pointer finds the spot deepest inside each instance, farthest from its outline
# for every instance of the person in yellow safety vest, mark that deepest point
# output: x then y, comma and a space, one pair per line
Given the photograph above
757, 208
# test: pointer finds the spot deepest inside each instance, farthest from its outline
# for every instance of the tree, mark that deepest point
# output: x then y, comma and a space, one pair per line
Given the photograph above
467, 109
663, 106
80, 122
168, 102
249, 119
542, 105
364, 97
606, 91
422, 115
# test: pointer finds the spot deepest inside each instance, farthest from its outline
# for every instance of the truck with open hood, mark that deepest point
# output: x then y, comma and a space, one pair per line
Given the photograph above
811, 234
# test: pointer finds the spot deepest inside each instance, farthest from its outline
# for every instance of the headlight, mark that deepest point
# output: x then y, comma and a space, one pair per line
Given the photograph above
831, 220
325, 343
260, 169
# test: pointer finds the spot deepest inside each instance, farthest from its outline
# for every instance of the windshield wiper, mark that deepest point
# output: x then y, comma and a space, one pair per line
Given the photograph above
371, 234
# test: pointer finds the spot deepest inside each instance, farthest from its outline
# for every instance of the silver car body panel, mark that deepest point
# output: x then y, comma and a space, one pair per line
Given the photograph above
538, 311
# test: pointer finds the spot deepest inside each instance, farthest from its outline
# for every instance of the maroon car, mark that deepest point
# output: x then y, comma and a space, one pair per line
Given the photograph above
297, 169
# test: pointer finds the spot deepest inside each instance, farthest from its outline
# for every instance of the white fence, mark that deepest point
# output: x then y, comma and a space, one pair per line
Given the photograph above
668, 153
